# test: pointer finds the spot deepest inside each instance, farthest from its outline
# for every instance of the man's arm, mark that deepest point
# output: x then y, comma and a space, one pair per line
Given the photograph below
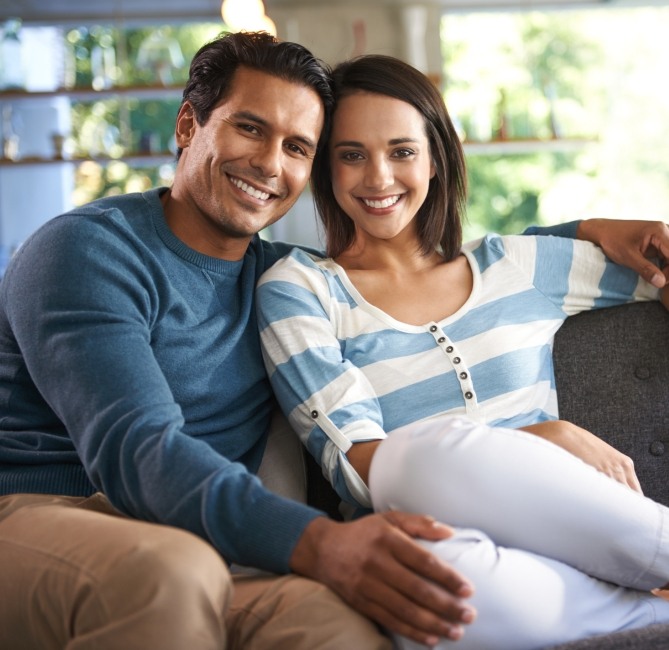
630, 242
85, 312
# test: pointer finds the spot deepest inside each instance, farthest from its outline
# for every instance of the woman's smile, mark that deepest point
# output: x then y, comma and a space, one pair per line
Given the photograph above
381, 203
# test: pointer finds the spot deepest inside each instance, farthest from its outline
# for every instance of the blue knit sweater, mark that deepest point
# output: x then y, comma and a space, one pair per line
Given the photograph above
130, 364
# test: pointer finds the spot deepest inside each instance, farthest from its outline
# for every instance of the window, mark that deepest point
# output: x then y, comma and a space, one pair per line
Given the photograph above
564, 114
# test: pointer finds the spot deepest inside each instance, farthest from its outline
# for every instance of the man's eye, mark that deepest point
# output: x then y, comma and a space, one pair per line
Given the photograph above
294, 148
249, 128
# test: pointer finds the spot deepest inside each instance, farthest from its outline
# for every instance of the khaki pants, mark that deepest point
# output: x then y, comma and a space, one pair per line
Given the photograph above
75, 574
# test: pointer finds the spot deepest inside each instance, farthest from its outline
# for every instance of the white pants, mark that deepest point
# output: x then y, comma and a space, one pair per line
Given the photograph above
556, 550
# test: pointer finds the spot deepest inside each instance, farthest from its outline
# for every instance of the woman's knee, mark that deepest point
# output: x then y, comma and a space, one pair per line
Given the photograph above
520, 597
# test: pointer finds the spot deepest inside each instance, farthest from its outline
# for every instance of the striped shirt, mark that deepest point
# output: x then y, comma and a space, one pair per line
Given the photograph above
344, 371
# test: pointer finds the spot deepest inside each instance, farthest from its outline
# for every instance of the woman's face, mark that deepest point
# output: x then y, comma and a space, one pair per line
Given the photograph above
381, 163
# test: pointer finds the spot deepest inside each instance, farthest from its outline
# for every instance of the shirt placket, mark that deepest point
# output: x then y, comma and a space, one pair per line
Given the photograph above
462, 373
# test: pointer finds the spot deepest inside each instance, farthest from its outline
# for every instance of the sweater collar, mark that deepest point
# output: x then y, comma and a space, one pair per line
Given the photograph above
214, 264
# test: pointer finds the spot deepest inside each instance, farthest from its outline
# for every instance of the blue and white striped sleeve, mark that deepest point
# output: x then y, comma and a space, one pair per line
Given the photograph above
327, 400
575, 275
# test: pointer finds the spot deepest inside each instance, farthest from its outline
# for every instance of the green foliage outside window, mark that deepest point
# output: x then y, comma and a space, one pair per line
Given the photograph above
590, 106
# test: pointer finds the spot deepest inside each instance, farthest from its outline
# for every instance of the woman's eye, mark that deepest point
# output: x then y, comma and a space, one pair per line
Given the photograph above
351, 156
404, 153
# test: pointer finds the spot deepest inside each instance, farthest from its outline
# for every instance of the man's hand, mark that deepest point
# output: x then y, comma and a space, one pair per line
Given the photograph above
630, 243
588, 447
375, 565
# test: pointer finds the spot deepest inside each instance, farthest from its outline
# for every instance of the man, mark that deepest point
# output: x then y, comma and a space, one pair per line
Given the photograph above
134, 408
130, 367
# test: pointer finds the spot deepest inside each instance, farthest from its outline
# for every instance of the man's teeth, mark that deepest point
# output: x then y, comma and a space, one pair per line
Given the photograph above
386, 203
251, 191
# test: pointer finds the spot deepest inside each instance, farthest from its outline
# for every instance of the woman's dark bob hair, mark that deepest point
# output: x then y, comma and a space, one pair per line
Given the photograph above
439, 219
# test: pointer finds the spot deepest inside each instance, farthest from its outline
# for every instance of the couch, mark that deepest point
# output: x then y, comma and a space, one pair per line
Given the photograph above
612, 374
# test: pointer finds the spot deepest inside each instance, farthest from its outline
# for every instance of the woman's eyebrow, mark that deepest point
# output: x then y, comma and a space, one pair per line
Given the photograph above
355, 143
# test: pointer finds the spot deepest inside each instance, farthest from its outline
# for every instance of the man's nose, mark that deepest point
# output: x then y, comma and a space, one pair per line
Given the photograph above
267, 158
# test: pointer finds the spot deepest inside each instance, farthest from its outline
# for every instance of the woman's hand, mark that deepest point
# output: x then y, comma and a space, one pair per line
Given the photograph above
589, 448
631, 243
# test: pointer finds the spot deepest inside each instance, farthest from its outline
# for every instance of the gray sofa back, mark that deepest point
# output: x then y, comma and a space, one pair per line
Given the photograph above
612, 374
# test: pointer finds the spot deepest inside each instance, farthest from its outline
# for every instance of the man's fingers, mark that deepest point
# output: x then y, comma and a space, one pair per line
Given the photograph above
401, 615
659, 241
421, 562
384, 572
420, 526
649, 271
414, 607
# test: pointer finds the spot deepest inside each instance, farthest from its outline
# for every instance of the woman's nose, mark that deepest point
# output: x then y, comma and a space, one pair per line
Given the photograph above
378, 174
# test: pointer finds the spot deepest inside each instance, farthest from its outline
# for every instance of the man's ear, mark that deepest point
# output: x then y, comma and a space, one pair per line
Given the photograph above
185, 125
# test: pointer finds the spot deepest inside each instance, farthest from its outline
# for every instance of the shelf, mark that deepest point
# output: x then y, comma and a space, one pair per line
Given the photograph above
137, 159
500, 147
534, 145
91, 94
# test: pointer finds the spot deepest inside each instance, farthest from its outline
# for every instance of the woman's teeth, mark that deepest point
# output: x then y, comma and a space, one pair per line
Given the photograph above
385, 203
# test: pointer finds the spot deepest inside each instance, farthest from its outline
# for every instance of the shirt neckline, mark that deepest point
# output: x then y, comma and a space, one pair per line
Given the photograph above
378, 313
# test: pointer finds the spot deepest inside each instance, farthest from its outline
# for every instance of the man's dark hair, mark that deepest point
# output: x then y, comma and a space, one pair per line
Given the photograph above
215, 63
439, 219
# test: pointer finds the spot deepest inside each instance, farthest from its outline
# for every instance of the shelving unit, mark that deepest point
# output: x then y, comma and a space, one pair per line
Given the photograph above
59, 147
523, 146
89, 94
134, 160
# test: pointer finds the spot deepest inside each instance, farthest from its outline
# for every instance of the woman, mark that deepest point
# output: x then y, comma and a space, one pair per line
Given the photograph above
407, 363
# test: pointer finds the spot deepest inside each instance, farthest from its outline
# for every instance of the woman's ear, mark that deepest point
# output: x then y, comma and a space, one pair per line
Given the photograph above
185, 125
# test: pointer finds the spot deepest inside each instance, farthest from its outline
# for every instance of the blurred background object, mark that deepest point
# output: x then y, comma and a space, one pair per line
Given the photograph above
561, 105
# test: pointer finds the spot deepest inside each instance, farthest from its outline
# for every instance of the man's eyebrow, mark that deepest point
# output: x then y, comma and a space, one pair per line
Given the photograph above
252, 117
248, 115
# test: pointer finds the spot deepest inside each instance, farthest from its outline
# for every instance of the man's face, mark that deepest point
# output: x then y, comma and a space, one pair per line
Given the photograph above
246, 167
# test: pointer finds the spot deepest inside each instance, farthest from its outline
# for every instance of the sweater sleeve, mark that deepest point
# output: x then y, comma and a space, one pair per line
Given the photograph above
83, 308
328, 400
567, 230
